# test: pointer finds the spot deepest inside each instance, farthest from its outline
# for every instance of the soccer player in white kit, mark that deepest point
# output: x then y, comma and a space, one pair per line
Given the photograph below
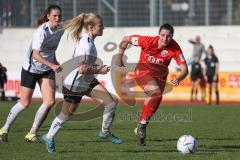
81, 81
39, 66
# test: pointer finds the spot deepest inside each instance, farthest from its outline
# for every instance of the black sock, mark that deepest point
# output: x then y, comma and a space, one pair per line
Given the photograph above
192, 94
210, 98
217, 97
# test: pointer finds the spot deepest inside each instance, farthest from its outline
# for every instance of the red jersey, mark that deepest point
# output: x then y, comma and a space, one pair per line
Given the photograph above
154, 59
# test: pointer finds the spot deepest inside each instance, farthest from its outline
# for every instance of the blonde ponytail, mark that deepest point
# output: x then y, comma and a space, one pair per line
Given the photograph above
75, 25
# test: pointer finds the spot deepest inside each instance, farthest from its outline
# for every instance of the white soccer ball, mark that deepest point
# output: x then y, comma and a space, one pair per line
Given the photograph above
187, 144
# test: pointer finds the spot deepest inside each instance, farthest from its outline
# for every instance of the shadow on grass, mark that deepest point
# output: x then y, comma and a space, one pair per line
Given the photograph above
163, 140
132, 151
207, 149
219, 148
149, 151
219, 139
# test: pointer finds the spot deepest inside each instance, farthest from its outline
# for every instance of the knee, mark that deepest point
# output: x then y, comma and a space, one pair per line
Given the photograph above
156, 94
50, 102
25, 103
110, 101
155, 98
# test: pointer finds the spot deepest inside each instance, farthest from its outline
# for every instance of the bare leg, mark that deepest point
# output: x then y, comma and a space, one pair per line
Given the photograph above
48, 94
100, 94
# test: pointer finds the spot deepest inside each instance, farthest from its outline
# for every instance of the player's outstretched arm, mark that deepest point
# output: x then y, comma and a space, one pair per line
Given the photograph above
182, 75
192, 41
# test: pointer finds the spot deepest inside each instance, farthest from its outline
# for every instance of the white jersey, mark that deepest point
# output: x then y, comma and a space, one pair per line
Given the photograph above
46, 42
86, 53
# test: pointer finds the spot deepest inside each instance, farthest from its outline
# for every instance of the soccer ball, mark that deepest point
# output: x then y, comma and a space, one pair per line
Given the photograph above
187, 144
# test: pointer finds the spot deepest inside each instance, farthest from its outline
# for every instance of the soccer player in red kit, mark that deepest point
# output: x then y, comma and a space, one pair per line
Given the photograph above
152, 69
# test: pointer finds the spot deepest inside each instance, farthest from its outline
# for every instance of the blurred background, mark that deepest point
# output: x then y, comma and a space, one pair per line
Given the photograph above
123, 13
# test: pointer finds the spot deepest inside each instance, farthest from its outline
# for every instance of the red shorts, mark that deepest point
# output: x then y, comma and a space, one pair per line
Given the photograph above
145, 73
142, 78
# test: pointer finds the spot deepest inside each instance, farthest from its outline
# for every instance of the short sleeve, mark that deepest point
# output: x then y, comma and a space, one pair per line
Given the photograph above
179, 58
178, 55
205, 61
216, 59
37, 39
138, 40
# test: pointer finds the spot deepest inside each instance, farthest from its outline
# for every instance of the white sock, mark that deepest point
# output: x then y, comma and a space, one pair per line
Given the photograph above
143, 121
56, 125
40, 116
13, 114
108, 116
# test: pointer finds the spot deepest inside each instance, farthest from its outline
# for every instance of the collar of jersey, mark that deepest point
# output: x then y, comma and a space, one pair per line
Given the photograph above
85, 34
48, 27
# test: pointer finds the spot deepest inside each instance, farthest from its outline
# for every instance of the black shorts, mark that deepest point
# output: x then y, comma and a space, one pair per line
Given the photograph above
76, 97
1, 84
210, 79
195, 78
29, 79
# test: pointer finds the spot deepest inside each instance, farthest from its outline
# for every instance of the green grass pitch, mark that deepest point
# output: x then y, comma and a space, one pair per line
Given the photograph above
217, 130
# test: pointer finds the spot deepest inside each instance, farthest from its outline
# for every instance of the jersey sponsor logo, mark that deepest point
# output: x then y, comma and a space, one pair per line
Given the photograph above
135, 41
153, 59
212, 64
197, 66
164, 53
182, 57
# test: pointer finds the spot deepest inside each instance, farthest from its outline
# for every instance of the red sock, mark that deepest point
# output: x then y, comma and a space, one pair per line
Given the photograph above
150, 107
